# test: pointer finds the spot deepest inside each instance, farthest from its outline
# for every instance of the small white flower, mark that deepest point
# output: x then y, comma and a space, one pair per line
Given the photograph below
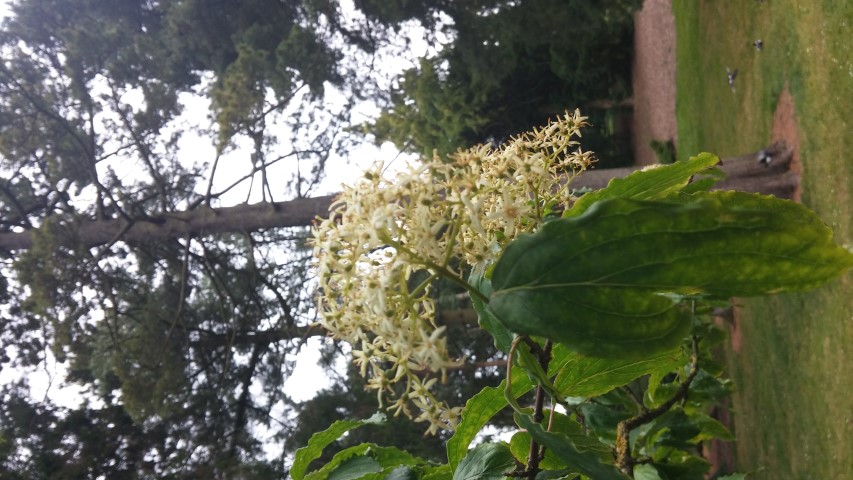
381, 232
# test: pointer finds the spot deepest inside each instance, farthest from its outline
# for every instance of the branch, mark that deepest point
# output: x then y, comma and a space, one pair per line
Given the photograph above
745, 173
262, 337
536, 452
200, 222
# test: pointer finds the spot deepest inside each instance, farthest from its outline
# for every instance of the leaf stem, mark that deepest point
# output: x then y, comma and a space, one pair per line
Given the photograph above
508, 393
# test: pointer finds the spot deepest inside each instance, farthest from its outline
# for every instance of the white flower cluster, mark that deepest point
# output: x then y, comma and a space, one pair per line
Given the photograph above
381, 232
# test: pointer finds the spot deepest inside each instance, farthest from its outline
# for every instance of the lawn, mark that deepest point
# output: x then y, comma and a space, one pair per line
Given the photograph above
793, 411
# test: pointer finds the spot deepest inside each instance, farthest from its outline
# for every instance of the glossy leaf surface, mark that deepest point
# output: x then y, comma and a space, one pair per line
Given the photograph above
610, 282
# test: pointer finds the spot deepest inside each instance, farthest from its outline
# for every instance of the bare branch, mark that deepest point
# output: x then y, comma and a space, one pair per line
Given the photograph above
199, 222
745, 173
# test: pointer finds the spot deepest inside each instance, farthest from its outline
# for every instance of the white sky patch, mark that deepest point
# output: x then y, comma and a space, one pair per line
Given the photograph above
196, 146
309, 376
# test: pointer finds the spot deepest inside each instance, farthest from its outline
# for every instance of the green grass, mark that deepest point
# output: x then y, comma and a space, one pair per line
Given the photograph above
793, 411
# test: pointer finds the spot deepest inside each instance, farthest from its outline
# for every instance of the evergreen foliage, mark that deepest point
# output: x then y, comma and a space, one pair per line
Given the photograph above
508, 66
180, 347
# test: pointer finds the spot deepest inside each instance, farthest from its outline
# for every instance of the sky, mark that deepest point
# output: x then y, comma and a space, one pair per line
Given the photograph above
308, 376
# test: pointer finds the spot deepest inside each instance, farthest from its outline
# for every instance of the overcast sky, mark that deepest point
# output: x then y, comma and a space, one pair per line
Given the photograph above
308, 376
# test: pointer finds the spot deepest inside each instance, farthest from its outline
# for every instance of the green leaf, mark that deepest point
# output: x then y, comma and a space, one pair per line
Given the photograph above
320, 440
502, 337
584, 376
355, 467
478, 411
587, 462
369, 461
529, 362
608, 283
485, 462
340, 459
563, 424
602, 420
437, 472
652, 183
708, 388
402, 473
412, 472
683, 466
646, 472
519, 445
709, 428
673, 429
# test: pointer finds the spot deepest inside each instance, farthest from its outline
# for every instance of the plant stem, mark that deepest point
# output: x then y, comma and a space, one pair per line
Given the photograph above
535, 454
453, 277
440, 269
623, 446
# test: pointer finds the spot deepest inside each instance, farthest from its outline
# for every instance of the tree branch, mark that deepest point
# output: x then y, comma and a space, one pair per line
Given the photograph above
200, 222
745, 173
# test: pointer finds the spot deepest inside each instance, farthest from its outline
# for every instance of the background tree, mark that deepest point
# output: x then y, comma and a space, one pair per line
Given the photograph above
181, 346
179, 333
507, 66
179, 343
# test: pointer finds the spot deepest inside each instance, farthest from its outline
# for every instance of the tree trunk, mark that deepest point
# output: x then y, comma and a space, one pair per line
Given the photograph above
746, 173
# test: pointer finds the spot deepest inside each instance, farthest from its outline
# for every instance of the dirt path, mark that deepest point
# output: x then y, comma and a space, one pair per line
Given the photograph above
654, 78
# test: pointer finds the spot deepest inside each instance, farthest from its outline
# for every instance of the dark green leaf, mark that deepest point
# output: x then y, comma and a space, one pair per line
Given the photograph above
674, 429
478, 411
602, 420
320, 440
652, 183
519, 444
339, 460
485, 462
683, 466
662, 393
608, 283
706, 387
587, 463
529, 362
